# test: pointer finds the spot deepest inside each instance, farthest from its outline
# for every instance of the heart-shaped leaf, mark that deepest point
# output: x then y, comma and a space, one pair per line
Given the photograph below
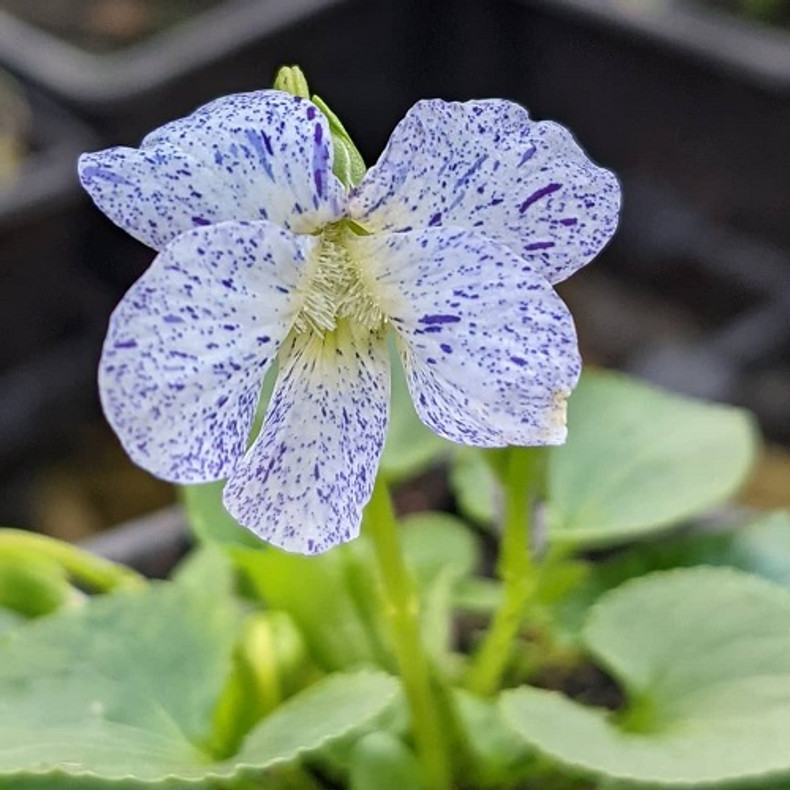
760, 546
703, 655
639, 459
121, 694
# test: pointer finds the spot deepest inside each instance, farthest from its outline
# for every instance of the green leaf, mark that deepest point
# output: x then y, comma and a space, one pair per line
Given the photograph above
328, 710
434, 542
380, 761
477, 491
704, 657
269, 664
208, 519
478, 595
500, 757
761, 547
125, 686
121, 694
441, 551
207, 571
638, 459
9, 620
317, 593
411, 446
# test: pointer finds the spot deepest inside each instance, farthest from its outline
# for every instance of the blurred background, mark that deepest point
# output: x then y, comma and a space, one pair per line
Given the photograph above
687, 100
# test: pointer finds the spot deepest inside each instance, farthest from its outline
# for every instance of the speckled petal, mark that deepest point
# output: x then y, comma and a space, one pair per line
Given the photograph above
187, 347
250, 156
486, 166
489, 348
303, 484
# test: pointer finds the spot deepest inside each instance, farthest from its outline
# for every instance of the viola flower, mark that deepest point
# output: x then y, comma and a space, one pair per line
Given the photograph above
452, 243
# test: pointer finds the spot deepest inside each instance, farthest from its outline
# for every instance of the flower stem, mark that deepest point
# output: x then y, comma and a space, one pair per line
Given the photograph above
403, 609
100, 574
515, 568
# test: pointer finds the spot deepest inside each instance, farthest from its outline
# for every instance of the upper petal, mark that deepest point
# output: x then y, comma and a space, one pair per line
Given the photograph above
188, 346
489, 348
262, 155
304, 482
486, 165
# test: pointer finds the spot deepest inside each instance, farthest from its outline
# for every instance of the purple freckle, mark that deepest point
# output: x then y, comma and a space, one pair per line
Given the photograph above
263, 339
229, 327
568, 221
439, 319
310, 113
173, 319
448, 349
201, 221
431, 361
227, 283
105, 175
536, 196
519, 361
126, 344
435, 219
222, 400
539, 245
318, 135
527, 155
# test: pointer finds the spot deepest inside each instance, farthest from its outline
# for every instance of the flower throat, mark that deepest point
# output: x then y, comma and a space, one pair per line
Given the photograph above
336, 290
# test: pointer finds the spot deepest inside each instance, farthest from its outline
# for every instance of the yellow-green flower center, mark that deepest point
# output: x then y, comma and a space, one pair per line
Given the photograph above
336, 288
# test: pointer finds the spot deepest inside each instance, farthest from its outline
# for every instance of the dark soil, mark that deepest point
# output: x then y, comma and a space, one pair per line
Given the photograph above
584, 683
102, 26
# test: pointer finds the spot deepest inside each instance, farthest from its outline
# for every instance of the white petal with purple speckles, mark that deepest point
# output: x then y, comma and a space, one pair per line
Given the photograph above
188, 346
155, 194
249, 156
489, 348
486, 165
303, 484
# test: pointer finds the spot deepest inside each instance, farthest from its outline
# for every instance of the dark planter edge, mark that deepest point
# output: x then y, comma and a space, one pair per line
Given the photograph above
151, 544
741, 48
93, 80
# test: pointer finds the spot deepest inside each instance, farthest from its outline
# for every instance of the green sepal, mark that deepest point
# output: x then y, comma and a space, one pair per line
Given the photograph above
291, 79
349, 166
